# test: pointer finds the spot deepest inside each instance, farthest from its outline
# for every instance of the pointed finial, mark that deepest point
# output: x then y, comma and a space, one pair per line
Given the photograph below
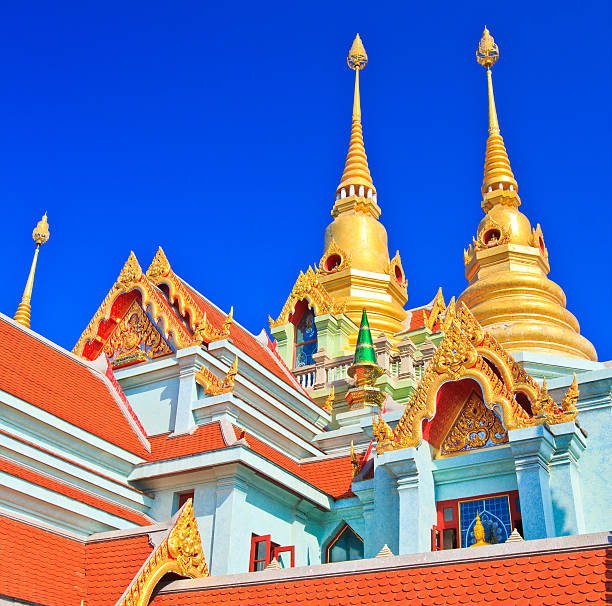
364, 351
40, 235
498, 184
356, 178
488, 52
329, 401
357, 58
354, 460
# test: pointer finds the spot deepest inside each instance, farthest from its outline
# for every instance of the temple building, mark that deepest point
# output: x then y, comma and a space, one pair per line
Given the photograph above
358, 451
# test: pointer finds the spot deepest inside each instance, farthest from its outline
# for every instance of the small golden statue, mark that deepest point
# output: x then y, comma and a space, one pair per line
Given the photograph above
479, 533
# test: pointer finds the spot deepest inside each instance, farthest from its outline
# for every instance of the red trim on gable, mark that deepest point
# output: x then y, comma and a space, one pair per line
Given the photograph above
44, 481
53, 381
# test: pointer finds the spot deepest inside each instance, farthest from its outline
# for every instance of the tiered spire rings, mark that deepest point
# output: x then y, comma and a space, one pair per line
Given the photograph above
356, 178
497, 173
40, 235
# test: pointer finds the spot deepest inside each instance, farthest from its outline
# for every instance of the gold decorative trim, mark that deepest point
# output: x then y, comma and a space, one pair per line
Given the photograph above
329, 401
213, 385
180, 552
160, 272
130, 278
397, 262
461, 354
135, 339
334, 249
438, 308
308, 287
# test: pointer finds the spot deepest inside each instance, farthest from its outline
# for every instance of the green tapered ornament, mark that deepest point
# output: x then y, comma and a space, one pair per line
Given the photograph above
365, 370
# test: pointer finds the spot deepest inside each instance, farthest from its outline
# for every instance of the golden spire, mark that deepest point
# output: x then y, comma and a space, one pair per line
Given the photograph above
497, 172
356, 171
40, 235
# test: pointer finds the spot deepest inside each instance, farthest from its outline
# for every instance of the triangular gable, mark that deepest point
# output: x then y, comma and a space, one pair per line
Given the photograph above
467, 351
160, 273
180, 552
132, 285
308, 287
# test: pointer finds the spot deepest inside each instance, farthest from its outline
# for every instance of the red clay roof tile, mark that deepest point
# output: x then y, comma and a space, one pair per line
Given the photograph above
55, 382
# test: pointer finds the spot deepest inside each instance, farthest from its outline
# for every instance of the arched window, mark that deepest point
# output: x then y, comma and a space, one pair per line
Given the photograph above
346, 545
305, 334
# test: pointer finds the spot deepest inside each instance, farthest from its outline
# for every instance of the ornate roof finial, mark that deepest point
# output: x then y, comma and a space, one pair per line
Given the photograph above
497, 172
356, 171
40, 235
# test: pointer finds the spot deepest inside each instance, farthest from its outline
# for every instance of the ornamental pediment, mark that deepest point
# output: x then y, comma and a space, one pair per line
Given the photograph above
467, 351
307, 286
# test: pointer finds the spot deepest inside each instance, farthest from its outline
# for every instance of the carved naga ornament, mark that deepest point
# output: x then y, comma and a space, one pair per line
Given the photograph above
467, 351
180, 552
213, 385
308, 287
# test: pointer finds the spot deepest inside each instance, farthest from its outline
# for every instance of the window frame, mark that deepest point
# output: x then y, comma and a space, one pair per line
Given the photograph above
334, 540
255, 539
284, 548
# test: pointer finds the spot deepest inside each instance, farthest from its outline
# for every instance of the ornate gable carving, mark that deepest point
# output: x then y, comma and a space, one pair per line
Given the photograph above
131, 278
159, 273
308, 287
334, 259
180, 552
461, 354
135, 339
476, 426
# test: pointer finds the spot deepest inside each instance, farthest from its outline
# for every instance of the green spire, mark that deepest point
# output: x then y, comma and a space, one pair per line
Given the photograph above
364, 351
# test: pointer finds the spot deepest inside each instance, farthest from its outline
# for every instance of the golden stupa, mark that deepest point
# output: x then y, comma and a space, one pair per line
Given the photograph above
507, 264
356, 268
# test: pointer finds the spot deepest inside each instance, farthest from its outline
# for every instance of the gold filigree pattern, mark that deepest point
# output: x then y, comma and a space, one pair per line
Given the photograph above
308, 287
437, 309
135, 339
213, 385
354, 460
130, 278
383, 434
461, 354
488, 52
475, 427
180, 552
160, 272
489, 235
334, 259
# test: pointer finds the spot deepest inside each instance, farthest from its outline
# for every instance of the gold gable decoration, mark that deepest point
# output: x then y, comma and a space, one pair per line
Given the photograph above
475, 427
308, 287
130, 278
160, 272
213, 385
135, 339
438, 308
334, 259
461, 354
180, 552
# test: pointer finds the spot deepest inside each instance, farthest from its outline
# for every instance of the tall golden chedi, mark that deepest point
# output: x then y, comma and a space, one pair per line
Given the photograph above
356, 269
507, 264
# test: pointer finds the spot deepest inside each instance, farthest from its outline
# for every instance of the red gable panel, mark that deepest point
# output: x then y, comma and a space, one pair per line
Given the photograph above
57, 383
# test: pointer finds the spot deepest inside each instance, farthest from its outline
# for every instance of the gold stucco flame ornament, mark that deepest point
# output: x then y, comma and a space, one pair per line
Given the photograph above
40, 235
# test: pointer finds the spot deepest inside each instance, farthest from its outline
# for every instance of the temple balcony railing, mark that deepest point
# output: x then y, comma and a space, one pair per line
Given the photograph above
305, 375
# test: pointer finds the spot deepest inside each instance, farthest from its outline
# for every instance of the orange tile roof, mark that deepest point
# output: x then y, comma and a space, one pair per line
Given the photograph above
577, 577
332, 475
55, 382
245, 342
204, 439
43, 480
111, 565
39, 566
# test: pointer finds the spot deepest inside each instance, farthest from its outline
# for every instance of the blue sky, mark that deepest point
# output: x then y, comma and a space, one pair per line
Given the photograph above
219, 131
